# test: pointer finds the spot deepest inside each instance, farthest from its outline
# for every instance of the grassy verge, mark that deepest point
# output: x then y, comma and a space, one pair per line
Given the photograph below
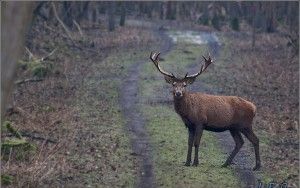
169, 135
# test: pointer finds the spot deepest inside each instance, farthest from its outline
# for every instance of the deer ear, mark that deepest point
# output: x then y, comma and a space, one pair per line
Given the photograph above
168, 79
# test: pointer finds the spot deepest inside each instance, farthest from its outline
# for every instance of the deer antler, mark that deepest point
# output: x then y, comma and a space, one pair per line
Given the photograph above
207, 62
154, 58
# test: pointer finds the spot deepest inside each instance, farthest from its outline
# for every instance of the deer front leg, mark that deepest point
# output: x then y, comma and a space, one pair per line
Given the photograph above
197, 138
190, 146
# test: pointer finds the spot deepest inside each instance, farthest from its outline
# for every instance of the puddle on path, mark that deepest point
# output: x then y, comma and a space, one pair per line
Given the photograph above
194, 37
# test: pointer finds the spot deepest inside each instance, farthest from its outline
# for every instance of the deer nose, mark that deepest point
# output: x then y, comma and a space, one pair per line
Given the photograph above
178, 94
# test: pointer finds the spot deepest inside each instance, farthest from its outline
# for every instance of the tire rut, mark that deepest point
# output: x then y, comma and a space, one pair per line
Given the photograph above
135, 121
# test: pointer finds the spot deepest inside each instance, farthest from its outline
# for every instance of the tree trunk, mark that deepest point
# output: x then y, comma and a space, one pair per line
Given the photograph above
149, 8
123, 13
270, 20
83, 13
162, 10
67, 12
254, 20
171, 10
16, 18
111, 16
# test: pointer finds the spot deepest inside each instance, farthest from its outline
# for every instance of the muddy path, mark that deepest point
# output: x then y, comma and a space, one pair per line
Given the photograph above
244, 160
135, 122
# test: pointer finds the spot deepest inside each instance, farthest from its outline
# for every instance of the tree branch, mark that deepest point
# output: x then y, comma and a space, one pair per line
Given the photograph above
28, 80
61, 22
78, 27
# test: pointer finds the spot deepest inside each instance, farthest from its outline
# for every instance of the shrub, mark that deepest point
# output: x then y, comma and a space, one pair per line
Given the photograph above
37, 68
21, 149
6, 179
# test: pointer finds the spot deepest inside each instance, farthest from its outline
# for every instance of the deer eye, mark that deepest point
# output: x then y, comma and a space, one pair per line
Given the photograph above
184, 84
174, 83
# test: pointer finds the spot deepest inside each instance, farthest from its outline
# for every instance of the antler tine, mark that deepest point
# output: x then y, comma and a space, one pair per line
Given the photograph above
207, 62
186, 74
154, 58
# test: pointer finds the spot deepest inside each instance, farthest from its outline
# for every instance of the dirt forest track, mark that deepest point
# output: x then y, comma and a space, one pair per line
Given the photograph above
135, 122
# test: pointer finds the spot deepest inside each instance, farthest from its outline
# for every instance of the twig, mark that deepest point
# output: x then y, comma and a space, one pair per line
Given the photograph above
32, 136
31, 56
9, 157
29, 135
44, 58
61, 22
78, 27
28, 80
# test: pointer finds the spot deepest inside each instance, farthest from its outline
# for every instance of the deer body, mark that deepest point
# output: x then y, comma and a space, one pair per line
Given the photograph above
216, 113
211, 112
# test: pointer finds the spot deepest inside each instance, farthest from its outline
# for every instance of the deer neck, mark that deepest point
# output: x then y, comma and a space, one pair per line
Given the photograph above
181, 104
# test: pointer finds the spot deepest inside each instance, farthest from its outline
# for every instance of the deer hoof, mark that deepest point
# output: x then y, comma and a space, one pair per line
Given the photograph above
187, 164
195, 163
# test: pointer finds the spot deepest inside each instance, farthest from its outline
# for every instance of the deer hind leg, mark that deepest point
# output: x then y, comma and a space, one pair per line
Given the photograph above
248, 132
237, 137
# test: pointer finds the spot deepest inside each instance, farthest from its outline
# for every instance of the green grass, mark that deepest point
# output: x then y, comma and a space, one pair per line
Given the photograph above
169, 135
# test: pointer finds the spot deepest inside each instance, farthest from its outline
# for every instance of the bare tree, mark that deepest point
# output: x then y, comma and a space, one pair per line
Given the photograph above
171, 10
123, 13
111, 15
254, 20
270, 17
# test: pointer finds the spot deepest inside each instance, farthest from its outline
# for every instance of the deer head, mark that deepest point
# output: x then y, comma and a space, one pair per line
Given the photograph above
179, 84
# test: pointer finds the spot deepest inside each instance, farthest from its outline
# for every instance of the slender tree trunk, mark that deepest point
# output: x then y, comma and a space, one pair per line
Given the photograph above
111, 16
171, 10
254, 20
94, 16
123, 13
67, 11
270, 20
84, 11
162, 10
149, 8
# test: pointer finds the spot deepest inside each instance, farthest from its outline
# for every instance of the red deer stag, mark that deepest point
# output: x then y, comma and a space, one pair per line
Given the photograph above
201, 111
